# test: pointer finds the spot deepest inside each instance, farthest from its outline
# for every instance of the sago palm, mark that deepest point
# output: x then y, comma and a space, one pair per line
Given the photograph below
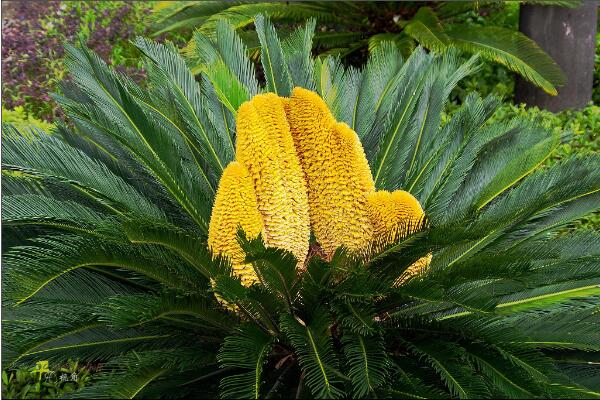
419, 256
347, 28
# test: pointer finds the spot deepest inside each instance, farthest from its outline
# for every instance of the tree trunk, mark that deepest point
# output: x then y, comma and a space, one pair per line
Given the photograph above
568, 35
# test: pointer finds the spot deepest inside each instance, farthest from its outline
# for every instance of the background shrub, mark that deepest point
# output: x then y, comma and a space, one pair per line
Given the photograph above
44, 381
32, 52
19, 118
583, 127
596, 87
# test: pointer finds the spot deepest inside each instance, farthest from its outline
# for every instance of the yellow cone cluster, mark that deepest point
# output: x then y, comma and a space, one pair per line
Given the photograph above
393, 214
271, 191
336, 171
264, 145
297, 168
345, 209
235, 206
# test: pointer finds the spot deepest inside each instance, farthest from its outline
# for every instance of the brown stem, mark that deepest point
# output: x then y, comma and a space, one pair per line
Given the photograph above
300, 386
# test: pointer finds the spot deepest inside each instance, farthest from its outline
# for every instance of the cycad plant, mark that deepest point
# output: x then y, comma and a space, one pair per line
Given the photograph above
328, 235
349, 27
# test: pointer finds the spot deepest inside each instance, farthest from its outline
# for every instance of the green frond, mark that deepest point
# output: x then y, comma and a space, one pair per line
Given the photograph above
211, 144
356, 317
312, 342
41, 211
297, 50
551, 189
196, 313
242, 15
59, 310
513, 50
505, 155
427, 30
275, 268
133, 374
449, 361
403, 42
50, 158
188, 244
404, 140
510, 382
225, 62
181, 15
129, 121
376, 83
559, 329
368, 363
272, 58
29, 269
408, 386
248, 349
331, 83
93, 343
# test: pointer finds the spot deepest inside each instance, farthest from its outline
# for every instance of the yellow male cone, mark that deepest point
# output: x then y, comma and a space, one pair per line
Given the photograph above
345, 209
265, 147
297, 167
395, 214
336, 171
235, 206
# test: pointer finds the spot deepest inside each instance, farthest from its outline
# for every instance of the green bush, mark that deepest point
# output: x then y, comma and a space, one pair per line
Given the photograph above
21, 120
41, 382
32, 52
506, 309
582, 127
491, 79
596, 87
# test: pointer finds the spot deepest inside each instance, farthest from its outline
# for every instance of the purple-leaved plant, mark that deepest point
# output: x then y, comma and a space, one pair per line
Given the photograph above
32, 49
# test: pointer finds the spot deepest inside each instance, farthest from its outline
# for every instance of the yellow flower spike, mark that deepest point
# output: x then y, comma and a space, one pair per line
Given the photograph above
416, 268
337, 173
393, 214
235, 206
265, 147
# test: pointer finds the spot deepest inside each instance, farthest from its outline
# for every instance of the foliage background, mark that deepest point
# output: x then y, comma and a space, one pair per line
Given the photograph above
33, 33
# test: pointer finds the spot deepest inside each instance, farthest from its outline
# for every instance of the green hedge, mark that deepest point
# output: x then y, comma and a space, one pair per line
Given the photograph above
21, 120
584, 126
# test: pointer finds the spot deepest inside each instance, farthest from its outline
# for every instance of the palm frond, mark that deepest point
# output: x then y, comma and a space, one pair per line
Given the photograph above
50, 158
297, 52
314, 348
513, 50
122, 116
136, 372
460, 377
427, 30
226, 65
30, 268
368, 363
247, 349
272, 58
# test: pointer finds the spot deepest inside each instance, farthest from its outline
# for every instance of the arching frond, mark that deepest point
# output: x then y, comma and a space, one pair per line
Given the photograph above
313, 344
248, 349
513, 50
